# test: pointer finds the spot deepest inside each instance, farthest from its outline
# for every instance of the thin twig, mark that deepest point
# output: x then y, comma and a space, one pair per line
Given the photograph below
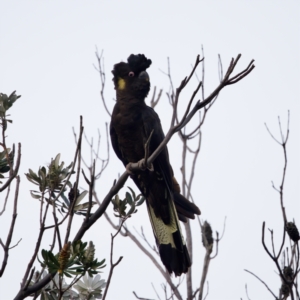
112, 265
101, 72
142, 235
146, 147
5, 201
217, 245
75, 187
207, 260
207, 290
91, 189
11, 229
154, 102
272, 241
283, 143
155, 291
262, 283
198, 105
136, 296
272, 257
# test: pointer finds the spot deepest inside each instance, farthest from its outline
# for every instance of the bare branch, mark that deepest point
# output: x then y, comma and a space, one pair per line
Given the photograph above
56, 231
112, 265
101, 72
207, 260
242, 74
99, 212
272, 134
246, 289
262, 283
282, 244
273, 257
154, 102
155, 262
220, 68
283, 145
137, 297
272, 240
217, 245
155, 291
110, 275
5, 201
91, 190
75, 187
146, 147
198, 105
189, 243
30, 277
207, 291
11, 230
142, 235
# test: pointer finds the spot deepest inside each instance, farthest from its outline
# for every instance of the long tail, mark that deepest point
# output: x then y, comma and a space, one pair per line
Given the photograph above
170, 242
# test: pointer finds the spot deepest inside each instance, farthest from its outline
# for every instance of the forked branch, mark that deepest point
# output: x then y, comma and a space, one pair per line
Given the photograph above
188, 115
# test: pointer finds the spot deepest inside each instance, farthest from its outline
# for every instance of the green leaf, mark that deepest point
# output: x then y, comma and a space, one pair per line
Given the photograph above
132, 192
69, 184
56, 160
67, 275
35, 196
45, 254
4, 169
53, 259
42, 172
80, 197
140, 202
129, 198
2, 155
101, 262
131, 210
122, 206
117, 200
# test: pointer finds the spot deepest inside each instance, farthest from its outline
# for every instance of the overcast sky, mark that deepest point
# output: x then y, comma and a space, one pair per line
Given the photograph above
47, 55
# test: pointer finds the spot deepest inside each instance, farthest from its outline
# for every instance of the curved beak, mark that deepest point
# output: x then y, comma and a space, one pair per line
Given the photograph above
144, 75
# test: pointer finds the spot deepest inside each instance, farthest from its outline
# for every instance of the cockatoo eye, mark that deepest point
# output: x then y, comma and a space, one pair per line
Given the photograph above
130, 74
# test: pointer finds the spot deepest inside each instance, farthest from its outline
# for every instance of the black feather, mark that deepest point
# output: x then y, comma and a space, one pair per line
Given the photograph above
138, 63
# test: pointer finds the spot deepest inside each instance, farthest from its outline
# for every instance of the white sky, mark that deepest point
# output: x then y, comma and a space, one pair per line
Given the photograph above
47, 55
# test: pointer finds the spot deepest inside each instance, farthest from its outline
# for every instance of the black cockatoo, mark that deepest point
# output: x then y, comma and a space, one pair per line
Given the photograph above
131, 124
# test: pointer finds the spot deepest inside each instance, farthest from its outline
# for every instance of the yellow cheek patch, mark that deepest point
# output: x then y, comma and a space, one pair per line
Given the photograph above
121, 84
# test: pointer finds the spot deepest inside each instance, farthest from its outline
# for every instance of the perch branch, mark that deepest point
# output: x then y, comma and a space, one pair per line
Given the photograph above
11, 230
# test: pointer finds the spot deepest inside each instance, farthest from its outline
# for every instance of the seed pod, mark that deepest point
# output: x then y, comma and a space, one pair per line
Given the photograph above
292, 231
72, 193
288, 273
285, 290
207, 233
64, 257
